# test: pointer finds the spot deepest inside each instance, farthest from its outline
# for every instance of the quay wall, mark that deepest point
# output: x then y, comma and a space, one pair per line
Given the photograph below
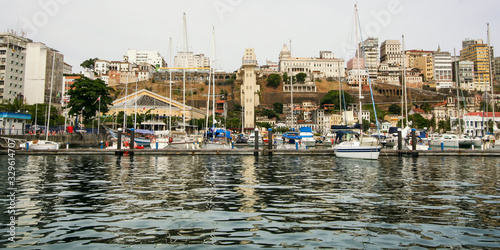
74, 139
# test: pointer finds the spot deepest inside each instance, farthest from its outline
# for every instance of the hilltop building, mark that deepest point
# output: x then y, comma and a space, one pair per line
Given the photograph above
323, 67
148, 57
477, 52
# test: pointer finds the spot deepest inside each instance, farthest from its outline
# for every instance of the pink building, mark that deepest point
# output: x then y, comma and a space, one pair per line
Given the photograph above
356, 63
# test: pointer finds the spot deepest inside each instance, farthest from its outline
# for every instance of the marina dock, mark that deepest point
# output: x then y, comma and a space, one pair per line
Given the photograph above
250, 151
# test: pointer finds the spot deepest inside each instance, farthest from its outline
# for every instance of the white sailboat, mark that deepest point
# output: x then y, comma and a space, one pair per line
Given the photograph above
362, 147
46, 144
218, 138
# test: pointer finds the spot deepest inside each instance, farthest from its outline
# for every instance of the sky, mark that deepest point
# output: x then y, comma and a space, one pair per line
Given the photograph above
106, 29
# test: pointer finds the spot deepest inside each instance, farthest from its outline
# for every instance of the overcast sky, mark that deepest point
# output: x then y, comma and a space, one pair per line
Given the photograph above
107, 28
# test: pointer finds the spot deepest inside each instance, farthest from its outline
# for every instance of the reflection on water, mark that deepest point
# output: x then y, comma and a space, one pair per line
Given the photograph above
277, 201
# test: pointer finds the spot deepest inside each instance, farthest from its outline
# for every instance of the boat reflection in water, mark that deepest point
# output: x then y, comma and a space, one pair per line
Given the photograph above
254, 202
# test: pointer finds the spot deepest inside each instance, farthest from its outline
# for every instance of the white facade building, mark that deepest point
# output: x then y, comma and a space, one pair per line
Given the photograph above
442, 69
324, 66
151, 57
40, 61
102, 67
190, 60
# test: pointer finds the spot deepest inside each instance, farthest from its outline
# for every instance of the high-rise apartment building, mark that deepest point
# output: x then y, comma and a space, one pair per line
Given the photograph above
477, 52
390, 52
370, 48
44, 67
12, 65
442, 69
464, 70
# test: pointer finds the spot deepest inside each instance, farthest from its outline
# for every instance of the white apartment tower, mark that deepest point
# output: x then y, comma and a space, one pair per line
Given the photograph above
442, 69
152, 57
249, 88
371, 54
40, 61
12, 65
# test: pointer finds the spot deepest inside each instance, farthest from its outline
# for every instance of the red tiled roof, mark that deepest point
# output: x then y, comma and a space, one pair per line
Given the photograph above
486, 114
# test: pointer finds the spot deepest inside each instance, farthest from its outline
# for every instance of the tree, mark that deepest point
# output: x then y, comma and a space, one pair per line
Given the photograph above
273, 80
89, 64
84, 97
444, 126
426, 107
17, 105
301, 77
394, 109
278, 107
332, 97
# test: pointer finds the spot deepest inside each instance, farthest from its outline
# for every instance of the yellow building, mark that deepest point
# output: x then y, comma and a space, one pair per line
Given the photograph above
477, 52
421, 59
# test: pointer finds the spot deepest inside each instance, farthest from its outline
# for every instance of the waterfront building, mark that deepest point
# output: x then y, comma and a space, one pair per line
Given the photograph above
326, 66
13, 123
465, 74
191, 60
249, 89
371, 56
442, 69
477, 52
150, 57
12, 65
475, 123
41, 66
390, 52
157, 105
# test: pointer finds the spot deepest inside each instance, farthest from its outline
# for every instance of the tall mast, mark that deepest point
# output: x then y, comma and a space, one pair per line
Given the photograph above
404, 81
457, 80
135, 116
360, 119
291, 84
125, 106
209, 84
184, 76
213, 79
170, 86
490, 77
50, 97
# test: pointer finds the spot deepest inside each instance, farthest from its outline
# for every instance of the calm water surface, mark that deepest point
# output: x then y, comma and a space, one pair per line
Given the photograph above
210, 202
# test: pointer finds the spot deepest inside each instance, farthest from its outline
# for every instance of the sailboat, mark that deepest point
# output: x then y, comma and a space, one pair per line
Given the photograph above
362, 147
46, 144
216, 138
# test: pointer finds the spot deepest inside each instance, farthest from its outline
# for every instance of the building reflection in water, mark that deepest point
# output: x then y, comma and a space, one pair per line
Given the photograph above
247, 186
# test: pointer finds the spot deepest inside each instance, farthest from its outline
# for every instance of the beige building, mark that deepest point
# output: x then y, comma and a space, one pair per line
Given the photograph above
157, 105
477, 52
390, 52
426, 65
249, 89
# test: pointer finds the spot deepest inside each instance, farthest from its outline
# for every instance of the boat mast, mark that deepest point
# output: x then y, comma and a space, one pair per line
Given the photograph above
457, 80
291, 85
404, 82
360, 119
135, 113
490, 77
213, 80
170, 85
50, 96
184, 44
125, 107
209, 85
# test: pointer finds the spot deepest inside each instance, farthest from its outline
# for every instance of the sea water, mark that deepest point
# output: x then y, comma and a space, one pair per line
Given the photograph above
248, 202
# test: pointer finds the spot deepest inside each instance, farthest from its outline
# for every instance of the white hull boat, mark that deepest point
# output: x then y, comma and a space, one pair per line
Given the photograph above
42, 145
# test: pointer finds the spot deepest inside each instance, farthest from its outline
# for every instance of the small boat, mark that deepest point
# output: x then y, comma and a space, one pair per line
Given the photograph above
307, 137
251, 140
452, 141
365, 148
42, 145
142, 137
